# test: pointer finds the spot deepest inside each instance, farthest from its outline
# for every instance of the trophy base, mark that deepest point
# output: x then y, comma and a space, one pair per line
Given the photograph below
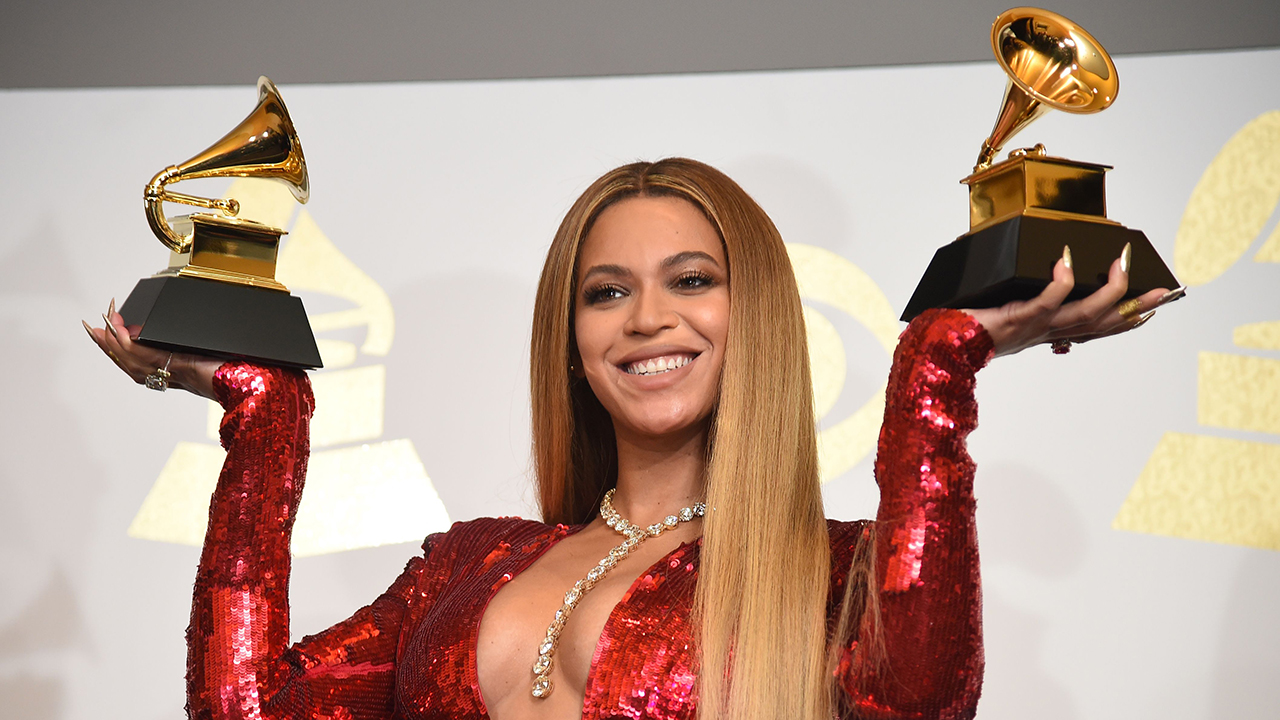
1014, 259
185, 314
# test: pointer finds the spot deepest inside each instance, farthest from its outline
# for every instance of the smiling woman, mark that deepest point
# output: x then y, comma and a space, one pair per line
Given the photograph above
683, 567
699, 270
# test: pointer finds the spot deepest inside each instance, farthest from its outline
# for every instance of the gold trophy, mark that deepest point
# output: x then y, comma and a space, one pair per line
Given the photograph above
219, 295
1024, 209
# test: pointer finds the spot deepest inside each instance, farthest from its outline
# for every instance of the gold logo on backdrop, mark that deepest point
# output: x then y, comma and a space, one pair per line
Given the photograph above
358, 495
827, 278
1210, 487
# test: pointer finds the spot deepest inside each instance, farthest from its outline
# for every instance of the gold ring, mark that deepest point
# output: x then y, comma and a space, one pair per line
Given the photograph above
1129, 309
113, 357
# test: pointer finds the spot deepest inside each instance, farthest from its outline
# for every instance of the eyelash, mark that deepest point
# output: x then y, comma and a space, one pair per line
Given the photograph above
599, 293
704, 280
604, 293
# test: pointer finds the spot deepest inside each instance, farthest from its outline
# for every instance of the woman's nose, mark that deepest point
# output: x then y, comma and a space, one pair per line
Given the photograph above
651, 313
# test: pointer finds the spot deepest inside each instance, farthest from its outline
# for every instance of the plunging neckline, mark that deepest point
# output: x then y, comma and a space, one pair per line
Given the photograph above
473, 667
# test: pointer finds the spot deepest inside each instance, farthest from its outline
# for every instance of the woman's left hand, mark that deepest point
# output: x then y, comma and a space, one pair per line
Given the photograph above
193, 373
1047, 318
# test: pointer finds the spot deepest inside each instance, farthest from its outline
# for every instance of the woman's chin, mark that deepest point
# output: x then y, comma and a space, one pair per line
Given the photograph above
658, 429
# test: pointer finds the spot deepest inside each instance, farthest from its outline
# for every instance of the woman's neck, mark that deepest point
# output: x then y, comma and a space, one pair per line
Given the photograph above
659, 476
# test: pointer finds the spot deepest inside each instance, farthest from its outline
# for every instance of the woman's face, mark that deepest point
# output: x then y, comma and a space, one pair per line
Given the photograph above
652, 315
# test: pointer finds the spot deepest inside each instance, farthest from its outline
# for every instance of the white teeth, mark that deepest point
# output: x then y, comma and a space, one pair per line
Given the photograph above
658, 365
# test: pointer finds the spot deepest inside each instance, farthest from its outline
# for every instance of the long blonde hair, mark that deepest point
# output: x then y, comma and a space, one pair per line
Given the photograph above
765, 563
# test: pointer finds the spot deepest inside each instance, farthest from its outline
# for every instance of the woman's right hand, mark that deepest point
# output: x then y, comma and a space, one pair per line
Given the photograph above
1048, 318
193, 373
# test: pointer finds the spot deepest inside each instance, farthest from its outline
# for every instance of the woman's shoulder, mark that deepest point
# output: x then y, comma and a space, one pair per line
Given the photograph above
484, 529
471, 540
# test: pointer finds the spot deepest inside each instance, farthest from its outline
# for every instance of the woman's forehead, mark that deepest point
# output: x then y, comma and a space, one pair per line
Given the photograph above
645, 232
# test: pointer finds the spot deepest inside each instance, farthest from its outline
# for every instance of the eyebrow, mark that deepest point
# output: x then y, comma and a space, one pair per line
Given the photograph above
606, 270
677, 259
686, 256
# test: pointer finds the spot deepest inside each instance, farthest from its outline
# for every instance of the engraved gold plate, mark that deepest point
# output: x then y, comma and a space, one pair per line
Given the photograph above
228, 250
1032, 183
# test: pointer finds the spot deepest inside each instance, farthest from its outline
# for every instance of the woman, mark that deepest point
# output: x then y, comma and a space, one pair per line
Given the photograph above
669, 365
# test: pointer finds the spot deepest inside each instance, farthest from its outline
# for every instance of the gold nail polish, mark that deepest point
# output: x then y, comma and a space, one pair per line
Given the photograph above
1143, 318
110, 328
1126, 257
1175, 294
112, 311
89, 330
1066, 256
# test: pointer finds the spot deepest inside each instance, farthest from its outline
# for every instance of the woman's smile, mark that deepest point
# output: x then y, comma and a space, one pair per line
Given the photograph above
658, 365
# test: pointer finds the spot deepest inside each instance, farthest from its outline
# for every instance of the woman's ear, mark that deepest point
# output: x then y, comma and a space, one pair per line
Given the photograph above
575, 363
575, 359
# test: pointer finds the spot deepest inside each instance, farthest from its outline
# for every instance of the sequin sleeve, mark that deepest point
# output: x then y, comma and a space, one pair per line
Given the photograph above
239, 663
929, 640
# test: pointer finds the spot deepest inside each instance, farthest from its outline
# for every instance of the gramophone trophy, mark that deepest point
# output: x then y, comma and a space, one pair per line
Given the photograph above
1024, 209
219, 295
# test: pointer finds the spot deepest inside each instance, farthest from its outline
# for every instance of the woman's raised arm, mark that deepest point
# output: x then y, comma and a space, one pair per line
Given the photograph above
922, 658
921, 655
239, 662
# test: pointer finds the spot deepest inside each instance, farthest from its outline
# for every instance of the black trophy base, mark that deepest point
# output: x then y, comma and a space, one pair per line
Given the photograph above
1014, 259
222, 319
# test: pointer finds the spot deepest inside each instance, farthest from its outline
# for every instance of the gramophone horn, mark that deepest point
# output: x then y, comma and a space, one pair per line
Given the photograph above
263, 145
1051, 63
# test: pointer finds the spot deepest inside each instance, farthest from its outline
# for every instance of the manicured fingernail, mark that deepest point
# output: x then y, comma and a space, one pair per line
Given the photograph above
1143, 318
112, 311
1175, 294
89, 330
1066, 256
1126, 257
110, 328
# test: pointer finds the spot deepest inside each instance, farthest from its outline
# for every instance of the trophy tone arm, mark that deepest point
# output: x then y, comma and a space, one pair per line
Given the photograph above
155, 196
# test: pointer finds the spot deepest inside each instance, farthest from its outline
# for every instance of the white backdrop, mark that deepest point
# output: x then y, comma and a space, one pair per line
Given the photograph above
445, 196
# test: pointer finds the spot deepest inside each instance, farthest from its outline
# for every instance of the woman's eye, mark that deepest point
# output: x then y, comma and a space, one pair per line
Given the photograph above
604, 293
693, 281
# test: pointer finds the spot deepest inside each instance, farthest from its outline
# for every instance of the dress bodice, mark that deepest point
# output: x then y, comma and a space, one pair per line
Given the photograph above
643, 666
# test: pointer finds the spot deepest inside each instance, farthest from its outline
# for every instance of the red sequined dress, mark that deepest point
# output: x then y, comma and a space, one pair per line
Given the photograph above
411, 653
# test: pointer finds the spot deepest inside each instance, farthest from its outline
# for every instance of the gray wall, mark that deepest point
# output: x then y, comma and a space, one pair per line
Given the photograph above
74, 43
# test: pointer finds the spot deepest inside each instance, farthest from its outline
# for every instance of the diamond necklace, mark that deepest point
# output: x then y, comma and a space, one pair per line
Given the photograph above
634, 535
